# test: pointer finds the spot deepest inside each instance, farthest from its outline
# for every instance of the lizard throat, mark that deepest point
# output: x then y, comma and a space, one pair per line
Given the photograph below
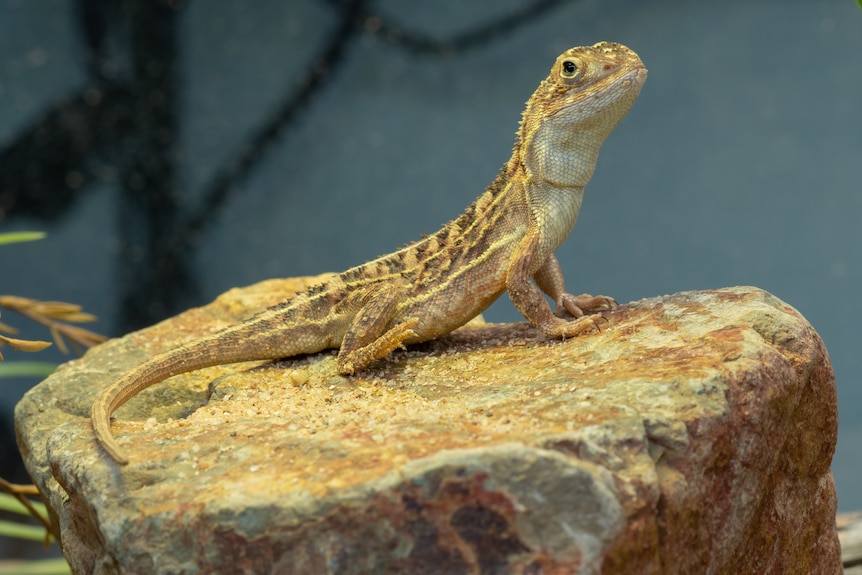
555, 210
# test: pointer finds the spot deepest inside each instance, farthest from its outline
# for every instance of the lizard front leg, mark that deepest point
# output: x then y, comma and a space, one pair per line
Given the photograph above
550, 279
530, 301
367, 339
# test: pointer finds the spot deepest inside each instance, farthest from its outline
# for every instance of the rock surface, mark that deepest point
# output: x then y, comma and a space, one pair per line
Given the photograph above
693, 434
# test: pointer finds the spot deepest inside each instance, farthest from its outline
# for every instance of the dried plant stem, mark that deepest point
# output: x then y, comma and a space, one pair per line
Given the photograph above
53, 315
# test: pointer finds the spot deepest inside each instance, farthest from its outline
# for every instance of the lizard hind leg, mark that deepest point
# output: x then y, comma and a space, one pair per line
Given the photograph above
367, 338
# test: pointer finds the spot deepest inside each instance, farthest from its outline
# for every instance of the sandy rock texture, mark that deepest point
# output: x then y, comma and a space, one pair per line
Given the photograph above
694, 434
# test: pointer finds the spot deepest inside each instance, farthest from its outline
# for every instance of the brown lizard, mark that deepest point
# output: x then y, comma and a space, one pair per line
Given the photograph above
431, 287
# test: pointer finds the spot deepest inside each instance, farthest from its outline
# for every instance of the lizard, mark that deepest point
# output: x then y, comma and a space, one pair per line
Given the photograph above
426, 289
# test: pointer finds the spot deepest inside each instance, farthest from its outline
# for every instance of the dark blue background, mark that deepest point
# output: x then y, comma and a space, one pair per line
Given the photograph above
740, 164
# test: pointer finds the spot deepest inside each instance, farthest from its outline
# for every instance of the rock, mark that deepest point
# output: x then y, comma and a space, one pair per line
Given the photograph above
694, 434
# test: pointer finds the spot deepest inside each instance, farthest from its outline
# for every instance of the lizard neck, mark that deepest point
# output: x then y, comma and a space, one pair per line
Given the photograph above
561, 154
553, 211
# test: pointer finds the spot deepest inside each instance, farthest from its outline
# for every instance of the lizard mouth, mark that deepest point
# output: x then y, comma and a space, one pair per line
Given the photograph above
637, 77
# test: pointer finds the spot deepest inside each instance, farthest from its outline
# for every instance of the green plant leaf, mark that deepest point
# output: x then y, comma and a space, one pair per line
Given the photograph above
41, 567
9, 503
15, 237
21, 531
26, 368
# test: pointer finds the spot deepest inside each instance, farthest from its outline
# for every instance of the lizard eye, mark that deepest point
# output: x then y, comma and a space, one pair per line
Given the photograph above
569, 69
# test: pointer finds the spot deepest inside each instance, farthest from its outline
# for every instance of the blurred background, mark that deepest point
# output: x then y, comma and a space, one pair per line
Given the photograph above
173, 150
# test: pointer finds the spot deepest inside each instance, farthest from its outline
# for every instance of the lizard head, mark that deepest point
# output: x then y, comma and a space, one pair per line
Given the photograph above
589, 90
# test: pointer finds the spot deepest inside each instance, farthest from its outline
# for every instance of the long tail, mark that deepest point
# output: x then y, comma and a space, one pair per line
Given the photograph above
149, 373
220, 349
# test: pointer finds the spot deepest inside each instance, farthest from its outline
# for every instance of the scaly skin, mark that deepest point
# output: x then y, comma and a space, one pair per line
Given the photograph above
505, 238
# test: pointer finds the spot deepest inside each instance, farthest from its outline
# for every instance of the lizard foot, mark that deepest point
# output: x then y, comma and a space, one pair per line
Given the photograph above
579, 305
352, 360
562, 329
